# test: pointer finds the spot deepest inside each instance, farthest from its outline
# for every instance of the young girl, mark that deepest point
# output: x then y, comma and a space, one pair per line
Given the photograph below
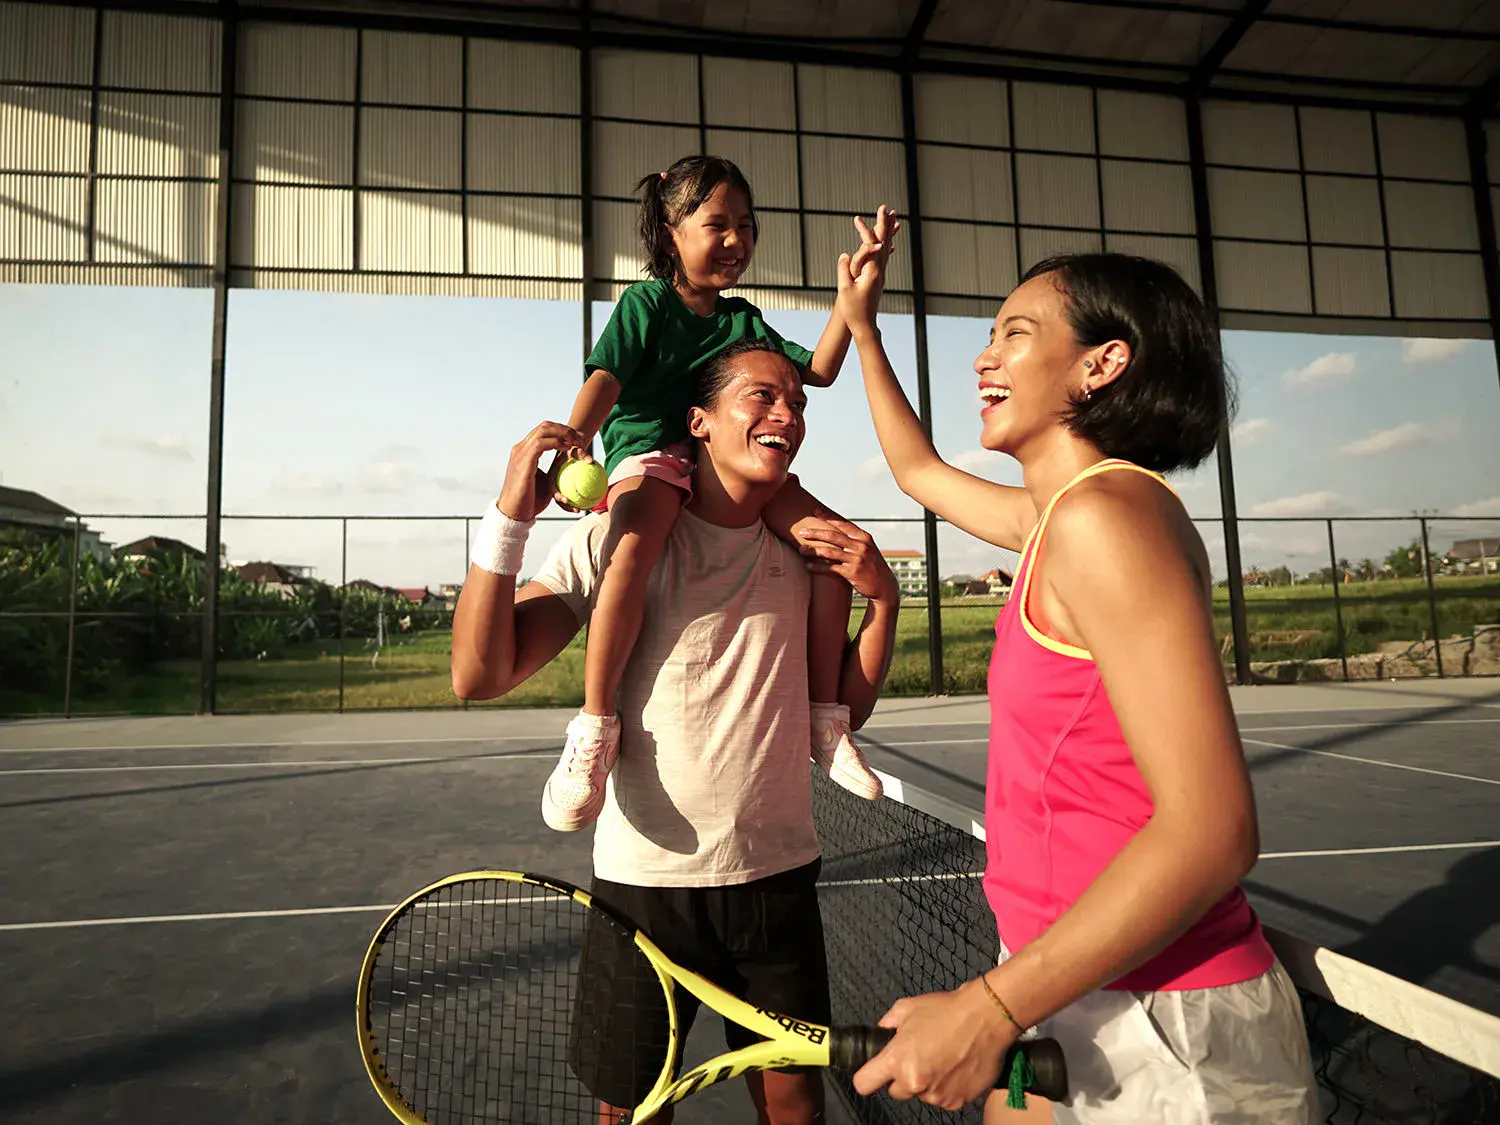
698, 229
1118, 807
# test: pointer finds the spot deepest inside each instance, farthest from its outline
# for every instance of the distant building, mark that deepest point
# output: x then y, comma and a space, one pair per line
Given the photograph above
38, 513
1479, 556
997, 582
910, 569
157, 547
287, 580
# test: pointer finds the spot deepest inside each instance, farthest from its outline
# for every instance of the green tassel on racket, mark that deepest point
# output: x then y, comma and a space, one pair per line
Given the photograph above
1021, 1076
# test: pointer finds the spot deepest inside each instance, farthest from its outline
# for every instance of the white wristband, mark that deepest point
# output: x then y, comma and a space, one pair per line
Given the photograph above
500, 542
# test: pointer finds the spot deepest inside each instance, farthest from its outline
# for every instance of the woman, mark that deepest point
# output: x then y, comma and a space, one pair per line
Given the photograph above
1119, 813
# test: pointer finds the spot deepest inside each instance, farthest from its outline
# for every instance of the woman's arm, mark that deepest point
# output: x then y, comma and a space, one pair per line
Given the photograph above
997, 513
1142, 609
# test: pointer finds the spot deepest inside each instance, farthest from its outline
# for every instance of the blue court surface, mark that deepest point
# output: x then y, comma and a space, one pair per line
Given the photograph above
184, 902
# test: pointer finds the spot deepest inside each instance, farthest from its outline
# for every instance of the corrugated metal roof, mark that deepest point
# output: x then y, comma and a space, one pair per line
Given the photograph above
1438, 285
523, 154
526, 77
155, 222
413, 232
43, 219
525, 237
297, 62
284, 142
412, 69
290, 227
411, 148
44, 130
67, 32
159, 52
1351, 282
158, 135
1057, 191
1258, 277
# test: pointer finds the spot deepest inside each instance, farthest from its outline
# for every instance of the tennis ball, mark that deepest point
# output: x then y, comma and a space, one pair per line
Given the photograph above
582, 483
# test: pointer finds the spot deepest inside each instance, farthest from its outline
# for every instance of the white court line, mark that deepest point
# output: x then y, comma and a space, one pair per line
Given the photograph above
269, 744
1382, 851
522, 756
1373, 761
552, 740
1348, 726
152, 919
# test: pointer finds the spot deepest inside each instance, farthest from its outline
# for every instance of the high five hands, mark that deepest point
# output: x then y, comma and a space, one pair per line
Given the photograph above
861, 275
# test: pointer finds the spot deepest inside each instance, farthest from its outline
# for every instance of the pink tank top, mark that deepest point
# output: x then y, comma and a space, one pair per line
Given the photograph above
1063, 796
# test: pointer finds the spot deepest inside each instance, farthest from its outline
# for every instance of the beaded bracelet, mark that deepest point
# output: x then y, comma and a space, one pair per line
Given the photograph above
985, 980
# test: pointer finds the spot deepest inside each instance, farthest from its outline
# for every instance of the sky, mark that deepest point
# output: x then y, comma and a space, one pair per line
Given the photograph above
370, 406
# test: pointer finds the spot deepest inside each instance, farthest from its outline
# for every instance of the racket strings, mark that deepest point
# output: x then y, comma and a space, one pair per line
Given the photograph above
494, 1002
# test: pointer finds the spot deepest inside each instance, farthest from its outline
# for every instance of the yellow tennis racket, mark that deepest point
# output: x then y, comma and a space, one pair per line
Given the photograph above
497, 996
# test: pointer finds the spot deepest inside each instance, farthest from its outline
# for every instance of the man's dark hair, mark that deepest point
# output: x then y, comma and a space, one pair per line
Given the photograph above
1167, 408
717, 373
671, 196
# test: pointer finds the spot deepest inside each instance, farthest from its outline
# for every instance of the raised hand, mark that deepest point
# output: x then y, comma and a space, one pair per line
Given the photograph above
527, 489
861, 275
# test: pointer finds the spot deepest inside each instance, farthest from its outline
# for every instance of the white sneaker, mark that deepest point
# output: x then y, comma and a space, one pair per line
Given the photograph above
575, 792
836, 754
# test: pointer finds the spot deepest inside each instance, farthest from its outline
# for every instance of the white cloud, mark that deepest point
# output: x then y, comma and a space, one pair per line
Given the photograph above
387, 476
873, 467
307, 484
169, 449
1384, 441
1333, 369
1482, 508
1248, 430
1304, 504
1432, 351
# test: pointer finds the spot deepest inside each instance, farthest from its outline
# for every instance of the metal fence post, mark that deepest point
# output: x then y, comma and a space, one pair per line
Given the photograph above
214, 513
913, 225
343, 597
1437, 642
1203, 221
1338, 607
72, 620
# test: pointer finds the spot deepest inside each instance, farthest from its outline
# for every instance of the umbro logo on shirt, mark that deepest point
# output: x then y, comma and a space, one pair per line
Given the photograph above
776, 572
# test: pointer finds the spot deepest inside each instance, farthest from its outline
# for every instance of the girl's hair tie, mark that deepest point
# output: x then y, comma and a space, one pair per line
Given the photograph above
663, 175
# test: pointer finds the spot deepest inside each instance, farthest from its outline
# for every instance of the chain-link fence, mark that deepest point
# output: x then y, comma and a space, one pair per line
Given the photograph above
88, 627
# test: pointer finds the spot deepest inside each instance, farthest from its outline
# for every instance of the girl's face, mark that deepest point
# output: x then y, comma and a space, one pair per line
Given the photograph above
1032, 365
713, 245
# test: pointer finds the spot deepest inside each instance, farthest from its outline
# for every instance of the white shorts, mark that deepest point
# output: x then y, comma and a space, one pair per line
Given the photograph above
1234, 1055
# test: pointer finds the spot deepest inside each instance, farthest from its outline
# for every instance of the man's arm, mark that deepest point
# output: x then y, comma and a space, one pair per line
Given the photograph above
849, 552
501, 636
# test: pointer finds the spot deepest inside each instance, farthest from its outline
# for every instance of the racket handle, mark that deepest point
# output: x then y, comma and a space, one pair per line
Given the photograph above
849, 1048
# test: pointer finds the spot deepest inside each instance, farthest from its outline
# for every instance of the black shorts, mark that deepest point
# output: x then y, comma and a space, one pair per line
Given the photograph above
762, 941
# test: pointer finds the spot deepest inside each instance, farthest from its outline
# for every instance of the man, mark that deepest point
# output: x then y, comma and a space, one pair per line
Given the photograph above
706, 838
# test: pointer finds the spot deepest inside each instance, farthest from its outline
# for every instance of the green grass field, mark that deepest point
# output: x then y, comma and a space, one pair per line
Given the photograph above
1286, 623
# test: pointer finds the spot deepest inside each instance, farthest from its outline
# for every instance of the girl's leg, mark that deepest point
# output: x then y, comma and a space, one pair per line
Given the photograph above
830, 597
790, 511
642, 511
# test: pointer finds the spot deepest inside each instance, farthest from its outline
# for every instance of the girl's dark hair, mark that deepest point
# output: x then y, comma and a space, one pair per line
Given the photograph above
1167, 408
671, 196
720, 371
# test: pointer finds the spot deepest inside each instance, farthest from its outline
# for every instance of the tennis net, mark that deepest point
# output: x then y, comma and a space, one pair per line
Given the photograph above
904, 913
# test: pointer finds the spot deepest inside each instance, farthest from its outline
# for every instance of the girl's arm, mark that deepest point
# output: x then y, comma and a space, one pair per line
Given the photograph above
997, 513
1142, 609
596, 398
828, 356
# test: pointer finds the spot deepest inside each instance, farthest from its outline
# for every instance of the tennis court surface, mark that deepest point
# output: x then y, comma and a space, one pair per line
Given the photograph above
186, 901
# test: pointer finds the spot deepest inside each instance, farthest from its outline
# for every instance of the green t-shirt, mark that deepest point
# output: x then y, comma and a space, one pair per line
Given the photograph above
655, 345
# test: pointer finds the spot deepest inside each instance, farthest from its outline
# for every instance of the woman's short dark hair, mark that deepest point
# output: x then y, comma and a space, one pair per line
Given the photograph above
1168, 407
671, 196
720, 371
